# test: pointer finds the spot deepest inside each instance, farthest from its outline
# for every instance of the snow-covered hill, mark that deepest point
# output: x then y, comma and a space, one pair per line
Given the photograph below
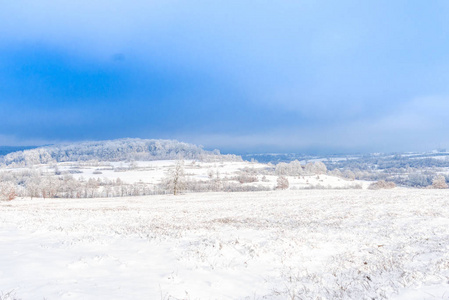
111, 150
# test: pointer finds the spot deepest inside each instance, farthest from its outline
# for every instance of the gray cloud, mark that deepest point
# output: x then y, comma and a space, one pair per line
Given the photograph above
418, 125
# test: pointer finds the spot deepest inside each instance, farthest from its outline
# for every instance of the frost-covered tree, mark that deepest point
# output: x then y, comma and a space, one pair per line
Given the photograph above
7, 191
282, 169
49, 187
419, 180
175, 180
316, 168
349, 174
293, 168
336, 173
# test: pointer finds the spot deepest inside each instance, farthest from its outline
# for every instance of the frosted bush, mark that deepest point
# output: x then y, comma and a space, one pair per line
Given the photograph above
381, 184
439, 182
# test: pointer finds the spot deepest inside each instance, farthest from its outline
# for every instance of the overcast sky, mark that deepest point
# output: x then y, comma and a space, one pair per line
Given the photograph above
235, 75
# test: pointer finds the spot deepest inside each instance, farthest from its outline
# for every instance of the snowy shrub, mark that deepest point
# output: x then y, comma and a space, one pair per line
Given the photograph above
8, 296
439, 182
75, 172
381, 184
235, 187
246, 178
319, 186
210, 174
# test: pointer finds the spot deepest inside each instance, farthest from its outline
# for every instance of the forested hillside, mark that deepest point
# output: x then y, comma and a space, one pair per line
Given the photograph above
111, 150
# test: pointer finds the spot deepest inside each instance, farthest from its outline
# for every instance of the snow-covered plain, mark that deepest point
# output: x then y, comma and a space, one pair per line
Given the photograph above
153, 172
294, 244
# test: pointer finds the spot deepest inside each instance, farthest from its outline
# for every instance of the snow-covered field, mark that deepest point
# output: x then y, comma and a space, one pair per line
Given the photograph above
295, 244
153, 172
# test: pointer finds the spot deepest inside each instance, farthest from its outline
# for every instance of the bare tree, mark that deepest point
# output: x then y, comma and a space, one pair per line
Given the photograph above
282, 183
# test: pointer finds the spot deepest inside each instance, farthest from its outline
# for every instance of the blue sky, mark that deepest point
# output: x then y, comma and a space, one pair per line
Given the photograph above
234, 75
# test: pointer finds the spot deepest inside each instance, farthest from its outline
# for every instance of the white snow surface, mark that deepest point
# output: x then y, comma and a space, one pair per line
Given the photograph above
294, 244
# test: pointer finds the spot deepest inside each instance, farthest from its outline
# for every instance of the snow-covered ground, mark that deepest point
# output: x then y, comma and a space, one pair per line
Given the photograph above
153, 172
296, 244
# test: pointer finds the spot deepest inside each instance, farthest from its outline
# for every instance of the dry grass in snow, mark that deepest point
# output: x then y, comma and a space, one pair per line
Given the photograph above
304, 244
